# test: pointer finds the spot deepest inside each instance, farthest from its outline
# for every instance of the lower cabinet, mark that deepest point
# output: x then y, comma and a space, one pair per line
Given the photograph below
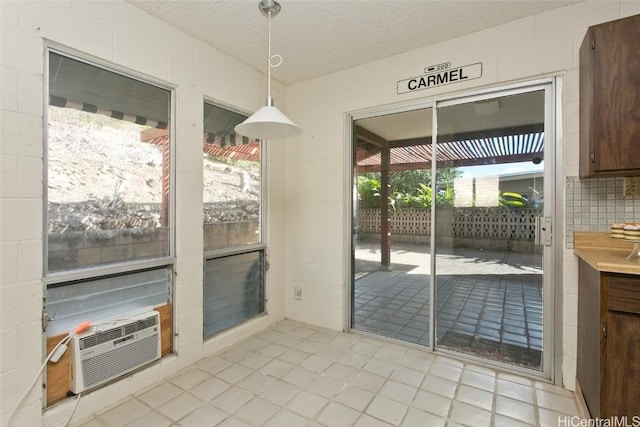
608, 364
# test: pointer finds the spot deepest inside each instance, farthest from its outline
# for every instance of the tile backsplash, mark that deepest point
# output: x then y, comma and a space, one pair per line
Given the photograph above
594, 204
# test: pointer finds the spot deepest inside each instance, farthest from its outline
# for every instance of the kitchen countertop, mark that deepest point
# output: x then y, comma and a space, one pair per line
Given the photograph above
605, 253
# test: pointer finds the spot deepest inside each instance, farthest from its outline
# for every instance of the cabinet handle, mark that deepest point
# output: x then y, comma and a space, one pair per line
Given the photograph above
604, 330
592, 156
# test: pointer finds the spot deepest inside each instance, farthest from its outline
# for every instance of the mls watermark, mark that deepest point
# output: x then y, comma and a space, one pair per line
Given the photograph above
615, 421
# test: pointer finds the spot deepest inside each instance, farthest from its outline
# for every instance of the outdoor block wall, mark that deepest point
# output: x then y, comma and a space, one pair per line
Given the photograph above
119, 35
487, 228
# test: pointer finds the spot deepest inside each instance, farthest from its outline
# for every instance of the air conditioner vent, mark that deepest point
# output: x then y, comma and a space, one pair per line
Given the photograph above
97, 357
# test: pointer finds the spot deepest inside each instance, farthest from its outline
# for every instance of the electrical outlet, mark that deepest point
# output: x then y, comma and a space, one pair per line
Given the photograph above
297, 293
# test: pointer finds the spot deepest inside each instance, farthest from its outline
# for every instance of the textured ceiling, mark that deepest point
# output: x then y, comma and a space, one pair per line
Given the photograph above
322, 36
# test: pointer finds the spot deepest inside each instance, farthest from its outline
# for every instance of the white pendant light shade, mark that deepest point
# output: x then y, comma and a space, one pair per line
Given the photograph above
268, 123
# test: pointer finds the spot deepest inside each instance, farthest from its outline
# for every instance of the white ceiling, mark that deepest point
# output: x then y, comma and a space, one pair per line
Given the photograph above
322, 36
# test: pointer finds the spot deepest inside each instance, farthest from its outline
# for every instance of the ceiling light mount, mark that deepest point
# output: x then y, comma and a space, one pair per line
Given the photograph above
269, 7
269, 122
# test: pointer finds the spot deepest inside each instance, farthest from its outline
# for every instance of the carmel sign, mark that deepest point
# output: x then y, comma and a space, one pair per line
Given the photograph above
438, 75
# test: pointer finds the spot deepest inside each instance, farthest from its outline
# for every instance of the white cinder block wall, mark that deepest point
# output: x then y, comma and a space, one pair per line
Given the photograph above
543, 45
118, 33
306, 224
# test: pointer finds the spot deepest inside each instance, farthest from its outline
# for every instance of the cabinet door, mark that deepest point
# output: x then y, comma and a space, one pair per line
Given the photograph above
622, 390
616, 95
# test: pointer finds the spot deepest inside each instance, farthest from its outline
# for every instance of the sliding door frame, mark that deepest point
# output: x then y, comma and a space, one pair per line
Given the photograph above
552, 255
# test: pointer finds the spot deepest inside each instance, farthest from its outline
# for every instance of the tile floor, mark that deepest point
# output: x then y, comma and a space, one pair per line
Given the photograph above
294, 374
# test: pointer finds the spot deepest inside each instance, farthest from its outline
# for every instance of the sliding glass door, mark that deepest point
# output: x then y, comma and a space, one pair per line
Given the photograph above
488, 256
454, 254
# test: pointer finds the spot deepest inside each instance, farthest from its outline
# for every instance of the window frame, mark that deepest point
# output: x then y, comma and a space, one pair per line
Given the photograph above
96, 271
251, 247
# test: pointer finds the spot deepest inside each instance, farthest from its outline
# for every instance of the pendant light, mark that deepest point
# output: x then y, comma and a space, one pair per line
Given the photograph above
269, 122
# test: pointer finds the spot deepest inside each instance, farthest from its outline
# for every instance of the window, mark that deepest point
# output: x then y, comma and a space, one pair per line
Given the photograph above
234, 253
232, 181
108, 165
109, 196
233, 290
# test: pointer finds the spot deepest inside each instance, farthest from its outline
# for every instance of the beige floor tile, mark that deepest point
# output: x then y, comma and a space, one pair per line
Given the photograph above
420, 361
303, 332
288, 419
332, 354
433, 403
234, 373
337, 415
354, 359
124, 413
516, 409
398, 391
232, 399
307, 404
505, 376
180, 406
209, 389
417, 418
300, 376
478, 380
213, 364
326, 387
445, 370
323, 336
470, 415
150, 419
366, 348
256, 382
257, 411
189, 378
380, 367
549, 418
255, 361
502, 421
341, 372
316, 364
354, 397
475, 397
390, 355
555, 402
407, 376
206, 415
236, 354
254, 344
439, 386
280, 392
387, 410
368, 421
294, 356
160, 394
368, 381
273, 350
515, 390
277, 368
233, 422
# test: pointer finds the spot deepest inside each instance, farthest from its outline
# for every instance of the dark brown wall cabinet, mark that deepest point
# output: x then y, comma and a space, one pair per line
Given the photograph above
610, 99
609, 342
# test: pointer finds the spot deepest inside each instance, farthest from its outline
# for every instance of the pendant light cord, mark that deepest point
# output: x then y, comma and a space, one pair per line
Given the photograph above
271, 64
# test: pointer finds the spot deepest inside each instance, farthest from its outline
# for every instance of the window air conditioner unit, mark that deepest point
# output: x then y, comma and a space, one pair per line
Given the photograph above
113, 350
